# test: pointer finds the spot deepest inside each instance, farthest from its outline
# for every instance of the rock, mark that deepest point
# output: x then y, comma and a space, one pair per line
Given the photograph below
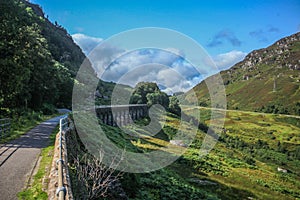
178, 143
280, 169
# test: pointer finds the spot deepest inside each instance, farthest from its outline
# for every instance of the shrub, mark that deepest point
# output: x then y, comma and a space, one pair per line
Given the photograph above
48, 109
249, 160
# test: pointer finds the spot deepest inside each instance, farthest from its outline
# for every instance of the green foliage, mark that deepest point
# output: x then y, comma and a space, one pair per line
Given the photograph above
174, 105
160, 98
297, 153
104, 92
131, 183
289, 120
149, 93
250, 149
22, 121
165, 184
141, 91
170, 131
276, 108
249, 160
38, 61
48, 109
242, 164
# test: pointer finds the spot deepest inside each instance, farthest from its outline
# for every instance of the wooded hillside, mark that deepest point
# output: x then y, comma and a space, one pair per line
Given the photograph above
38, 60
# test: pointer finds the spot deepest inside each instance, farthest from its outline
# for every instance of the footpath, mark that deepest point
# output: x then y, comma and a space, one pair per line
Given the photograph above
19, 158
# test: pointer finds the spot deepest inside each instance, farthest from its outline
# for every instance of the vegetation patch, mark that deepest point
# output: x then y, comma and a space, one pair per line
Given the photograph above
23, 122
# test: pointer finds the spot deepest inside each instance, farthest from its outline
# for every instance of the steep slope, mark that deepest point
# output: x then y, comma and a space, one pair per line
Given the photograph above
60, 43
63, 50
38, 60
266, 80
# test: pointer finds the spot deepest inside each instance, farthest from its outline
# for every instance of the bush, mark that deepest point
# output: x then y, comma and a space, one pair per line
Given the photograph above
249, 160
130, 183
174, 106
48, 109
164, 184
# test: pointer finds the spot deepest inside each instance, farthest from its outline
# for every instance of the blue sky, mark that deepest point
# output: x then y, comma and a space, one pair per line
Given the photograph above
227, 30
201, 20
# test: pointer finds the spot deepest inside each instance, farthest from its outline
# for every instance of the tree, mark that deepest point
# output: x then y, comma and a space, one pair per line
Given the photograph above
38, 61
141, 91
136, 99
174, 105
14, 41
158, 98
149, 93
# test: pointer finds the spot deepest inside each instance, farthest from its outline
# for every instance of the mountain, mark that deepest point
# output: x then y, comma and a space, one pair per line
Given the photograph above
60, 42
267, 80
38, 59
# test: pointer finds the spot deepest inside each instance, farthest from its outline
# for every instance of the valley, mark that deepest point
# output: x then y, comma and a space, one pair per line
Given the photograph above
257, 154
244, 164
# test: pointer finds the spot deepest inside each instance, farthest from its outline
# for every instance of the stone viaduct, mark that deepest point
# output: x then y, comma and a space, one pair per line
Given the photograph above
121, 115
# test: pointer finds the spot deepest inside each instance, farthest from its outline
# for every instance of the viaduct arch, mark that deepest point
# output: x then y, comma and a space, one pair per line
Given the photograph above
122, 115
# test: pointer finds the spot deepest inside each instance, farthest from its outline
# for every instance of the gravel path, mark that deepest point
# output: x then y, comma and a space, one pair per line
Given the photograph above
18, 158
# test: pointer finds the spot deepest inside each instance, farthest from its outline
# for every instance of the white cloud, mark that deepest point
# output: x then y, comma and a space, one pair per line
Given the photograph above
161, 66
140, 65
185, 68
227, 60
167, 67
86, 43
136, 59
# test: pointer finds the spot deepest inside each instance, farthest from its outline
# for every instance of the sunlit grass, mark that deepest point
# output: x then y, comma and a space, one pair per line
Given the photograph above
242, 164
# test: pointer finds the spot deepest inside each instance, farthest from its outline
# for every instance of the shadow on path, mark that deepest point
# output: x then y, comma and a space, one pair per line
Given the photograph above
18, 157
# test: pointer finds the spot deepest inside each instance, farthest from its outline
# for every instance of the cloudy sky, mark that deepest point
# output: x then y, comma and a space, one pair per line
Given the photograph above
227, 30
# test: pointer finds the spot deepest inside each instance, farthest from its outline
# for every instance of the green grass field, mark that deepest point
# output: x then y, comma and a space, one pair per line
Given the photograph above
242, 165
244, 162
248, 154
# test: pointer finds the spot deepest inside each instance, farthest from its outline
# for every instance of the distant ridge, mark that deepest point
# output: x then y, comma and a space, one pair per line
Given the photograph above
267, 80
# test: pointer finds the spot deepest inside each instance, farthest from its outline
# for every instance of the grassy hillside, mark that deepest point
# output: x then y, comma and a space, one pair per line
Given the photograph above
266, 80
243, 164
249, 152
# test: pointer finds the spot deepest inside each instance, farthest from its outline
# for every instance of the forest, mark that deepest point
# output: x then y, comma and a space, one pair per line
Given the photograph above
38, 60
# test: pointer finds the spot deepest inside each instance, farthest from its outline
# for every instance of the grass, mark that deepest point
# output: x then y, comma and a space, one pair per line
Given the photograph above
38, 188
270, 88
21, 124
242, 165
248, 155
